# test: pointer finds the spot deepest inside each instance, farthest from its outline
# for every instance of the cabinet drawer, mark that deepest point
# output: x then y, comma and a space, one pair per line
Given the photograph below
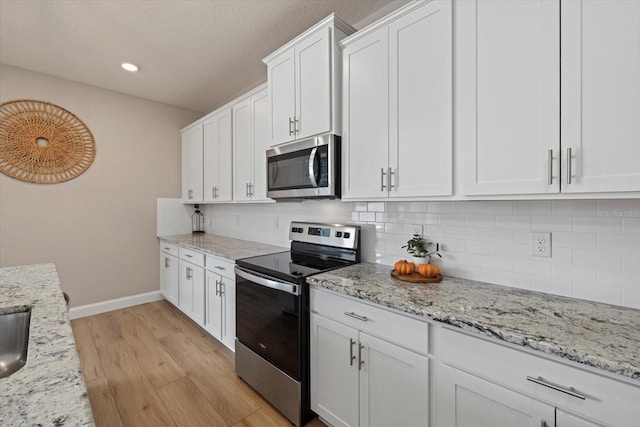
169, 248
221, 266
606, 399
194, 257
396, 328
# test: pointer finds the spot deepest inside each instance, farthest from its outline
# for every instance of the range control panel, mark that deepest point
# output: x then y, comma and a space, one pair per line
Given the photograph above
339, 235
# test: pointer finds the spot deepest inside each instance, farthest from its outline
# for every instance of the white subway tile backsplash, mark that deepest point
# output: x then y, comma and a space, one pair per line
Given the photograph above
597, 225
574, 207
621, 242
631, 225
467, 207
367, 216
628, 208
551, 223
593, 257
595, 244
483, 221
594, 292
497, 208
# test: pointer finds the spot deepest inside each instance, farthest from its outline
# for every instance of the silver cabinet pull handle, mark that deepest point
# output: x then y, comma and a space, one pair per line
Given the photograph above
188, 256
356, 316
166, 262
296, 122
221, 287
567, 390
360, 361
250, 190
568, 165
188, 273
391, 173
290, 124
190, 194
382, 174
167, 249
219, 268
550, 167
246, 189
351, 356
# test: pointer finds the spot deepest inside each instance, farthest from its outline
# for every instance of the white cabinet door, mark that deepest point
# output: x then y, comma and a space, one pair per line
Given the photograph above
281, 76
507, 95
260, 137
465, 400
169, 277
334, 371
213, 318
313, 85
365, 116
565, 419
192, 164
420, 102
228, 299
186, 288
243, 150
217, 157
394, 385
601, 95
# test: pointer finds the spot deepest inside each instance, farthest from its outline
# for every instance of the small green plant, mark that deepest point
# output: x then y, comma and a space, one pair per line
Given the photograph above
418, 246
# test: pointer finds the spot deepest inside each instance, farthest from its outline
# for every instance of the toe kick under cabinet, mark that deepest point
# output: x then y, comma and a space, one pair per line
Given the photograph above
369, 366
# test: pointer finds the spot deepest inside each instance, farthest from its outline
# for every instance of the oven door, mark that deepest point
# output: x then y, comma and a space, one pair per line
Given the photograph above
269, 319
304, 169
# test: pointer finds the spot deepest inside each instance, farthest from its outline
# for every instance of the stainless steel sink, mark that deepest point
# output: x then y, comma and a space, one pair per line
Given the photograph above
14, 340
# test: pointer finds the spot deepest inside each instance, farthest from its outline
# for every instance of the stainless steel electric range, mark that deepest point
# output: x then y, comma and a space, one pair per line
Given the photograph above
272, 312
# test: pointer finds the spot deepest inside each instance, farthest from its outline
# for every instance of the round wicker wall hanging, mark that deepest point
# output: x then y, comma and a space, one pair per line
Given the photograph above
43, 143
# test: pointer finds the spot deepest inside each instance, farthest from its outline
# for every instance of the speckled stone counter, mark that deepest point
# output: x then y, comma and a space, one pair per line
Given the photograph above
49, 389
595, 334
225, 247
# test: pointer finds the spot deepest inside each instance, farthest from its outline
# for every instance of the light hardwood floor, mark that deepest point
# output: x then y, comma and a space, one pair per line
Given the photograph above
150, 365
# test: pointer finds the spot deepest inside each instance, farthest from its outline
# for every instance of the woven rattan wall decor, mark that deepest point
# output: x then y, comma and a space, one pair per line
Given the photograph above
43, 143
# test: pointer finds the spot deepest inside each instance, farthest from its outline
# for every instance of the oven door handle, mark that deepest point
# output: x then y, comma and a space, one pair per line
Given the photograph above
263, 281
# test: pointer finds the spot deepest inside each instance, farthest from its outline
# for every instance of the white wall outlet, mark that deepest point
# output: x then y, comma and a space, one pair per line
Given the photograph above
416, 229
541, 244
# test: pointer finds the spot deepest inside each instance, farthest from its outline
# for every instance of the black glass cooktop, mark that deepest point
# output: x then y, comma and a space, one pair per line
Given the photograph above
290, 266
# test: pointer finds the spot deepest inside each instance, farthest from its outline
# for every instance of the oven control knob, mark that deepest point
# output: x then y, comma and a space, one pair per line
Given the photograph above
338, 233
346, 234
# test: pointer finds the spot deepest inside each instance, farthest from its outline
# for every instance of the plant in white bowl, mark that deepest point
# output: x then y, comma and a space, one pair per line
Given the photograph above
418, 247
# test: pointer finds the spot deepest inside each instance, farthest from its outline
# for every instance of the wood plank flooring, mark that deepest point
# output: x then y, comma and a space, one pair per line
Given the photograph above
150, 365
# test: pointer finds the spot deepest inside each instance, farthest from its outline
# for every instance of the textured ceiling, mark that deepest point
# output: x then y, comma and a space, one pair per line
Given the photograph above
196, 54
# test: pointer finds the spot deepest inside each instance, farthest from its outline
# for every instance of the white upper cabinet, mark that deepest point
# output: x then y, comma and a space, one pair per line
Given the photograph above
250, 142
192, 164
397, 105
548, 102
508, 97
217, 157
303, 87
600, 96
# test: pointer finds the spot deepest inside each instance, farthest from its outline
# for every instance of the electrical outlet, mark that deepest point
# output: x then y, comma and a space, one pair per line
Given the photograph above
416, 229
541, 244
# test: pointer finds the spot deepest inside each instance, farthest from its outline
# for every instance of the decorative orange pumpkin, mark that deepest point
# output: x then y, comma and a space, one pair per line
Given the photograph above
404, 267
429, 270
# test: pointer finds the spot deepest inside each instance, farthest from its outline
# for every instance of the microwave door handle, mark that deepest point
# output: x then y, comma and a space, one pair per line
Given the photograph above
312, 174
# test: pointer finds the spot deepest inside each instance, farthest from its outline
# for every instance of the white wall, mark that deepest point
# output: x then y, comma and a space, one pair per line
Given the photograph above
99, 228
595, 243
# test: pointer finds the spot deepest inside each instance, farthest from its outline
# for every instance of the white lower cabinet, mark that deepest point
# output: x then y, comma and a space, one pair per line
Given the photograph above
481, 383
220, 320
169, 275
192, 291
358, 379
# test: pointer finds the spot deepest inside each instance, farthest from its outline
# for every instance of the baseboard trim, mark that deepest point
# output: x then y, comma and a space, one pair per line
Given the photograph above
114, 304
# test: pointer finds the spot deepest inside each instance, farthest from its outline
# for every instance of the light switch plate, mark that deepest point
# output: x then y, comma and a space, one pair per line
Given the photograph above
541, 245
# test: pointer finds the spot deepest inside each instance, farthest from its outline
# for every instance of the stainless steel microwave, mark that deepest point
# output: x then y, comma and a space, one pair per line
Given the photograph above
305, 169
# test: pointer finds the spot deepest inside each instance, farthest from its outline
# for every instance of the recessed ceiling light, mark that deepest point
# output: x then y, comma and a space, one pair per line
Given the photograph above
130, 67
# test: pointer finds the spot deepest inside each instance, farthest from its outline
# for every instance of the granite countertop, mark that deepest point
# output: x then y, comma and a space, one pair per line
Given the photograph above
49, 389
595, 334
225, 247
